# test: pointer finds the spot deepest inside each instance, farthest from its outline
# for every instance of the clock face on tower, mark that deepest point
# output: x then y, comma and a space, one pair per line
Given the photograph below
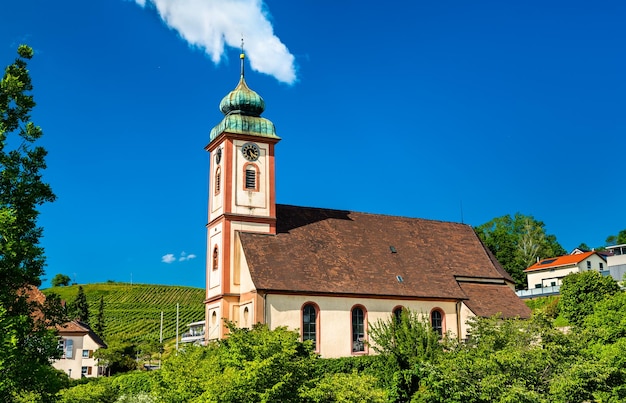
250, 151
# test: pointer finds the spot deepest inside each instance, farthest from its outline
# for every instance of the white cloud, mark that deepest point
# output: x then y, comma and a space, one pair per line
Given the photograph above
209, 24
184, 256
169, 258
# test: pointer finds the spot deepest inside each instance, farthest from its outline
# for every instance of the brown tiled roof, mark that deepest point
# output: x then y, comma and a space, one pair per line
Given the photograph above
79, 328
342, 252
490, 299
37, 298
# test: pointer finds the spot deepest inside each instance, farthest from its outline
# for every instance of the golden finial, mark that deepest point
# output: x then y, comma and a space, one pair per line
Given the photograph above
242, 56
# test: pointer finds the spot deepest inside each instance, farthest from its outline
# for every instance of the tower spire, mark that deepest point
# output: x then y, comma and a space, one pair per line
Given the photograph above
242, 56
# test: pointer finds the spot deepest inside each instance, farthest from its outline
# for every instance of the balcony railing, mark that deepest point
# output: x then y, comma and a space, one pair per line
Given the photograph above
191, 337
539, 292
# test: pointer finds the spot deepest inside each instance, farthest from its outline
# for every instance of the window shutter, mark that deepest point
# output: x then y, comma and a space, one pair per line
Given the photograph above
90, 353
89, 370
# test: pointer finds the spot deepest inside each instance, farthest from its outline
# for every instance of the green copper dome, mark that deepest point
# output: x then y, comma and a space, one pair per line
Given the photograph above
242, 110
242, 100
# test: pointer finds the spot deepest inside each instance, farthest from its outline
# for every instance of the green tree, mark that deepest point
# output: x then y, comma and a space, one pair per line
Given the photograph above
581, 291
516, 242
606, 324
504, 360
618, 239
149, 349
28, 344
61, 280
256, 365
583, 246
404, 344
345, 388
21, 187
54, 310
117, 358
81, 308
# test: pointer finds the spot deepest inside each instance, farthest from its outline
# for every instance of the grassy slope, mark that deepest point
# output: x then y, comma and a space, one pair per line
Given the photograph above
133, 312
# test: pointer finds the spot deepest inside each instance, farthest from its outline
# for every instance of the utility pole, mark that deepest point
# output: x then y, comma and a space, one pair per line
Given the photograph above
177, 326
161, 340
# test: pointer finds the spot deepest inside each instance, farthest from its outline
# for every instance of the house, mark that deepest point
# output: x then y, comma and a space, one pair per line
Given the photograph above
616, 261
76, 340
329, 273
550, 272
195, 334
78, 343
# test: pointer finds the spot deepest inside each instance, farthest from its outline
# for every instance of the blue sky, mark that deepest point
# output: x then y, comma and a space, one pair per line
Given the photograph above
453, 111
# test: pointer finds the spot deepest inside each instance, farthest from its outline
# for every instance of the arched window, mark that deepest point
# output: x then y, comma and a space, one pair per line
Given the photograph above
218, 180
309, 323
358, 329
250, 180
397, 313
436, 321
246, 316
216, 255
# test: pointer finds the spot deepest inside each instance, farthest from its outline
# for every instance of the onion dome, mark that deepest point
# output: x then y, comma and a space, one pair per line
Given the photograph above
242, 100
242, 109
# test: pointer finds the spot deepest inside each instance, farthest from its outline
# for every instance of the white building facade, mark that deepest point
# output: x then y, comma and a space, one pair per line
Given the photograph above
78, 343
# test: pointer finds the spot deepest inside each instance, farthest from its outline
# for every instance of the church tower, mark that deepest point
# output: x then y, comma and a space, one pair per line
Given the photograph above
242, 196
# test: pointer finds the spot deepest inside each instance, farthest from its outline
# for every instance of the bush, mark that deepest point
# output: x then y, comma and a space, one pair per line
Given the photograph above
580, 291
345, 388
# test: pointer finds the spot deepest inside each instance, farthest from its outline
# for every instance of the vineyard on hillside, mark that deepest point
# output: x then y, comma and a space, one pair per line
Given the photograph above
132, 313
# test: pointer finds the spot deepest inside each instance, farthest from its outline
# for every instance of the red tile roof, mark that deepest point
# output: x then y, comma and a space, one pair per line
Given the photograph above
560, 261
342, 252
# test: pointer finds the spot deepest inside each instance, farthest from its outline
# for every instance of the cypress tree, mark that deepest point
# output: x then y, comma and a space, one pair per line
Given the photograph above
81, 308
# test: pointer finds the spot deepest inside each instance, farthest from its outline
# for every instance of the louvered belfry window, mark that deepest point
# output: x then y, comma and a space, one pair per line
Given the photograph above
250, 177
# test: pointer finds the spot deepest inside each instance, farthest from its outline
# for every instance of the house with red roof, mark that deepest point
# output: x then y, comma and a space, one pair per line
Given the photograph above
78, 343
76, 339
327, 273
550, 272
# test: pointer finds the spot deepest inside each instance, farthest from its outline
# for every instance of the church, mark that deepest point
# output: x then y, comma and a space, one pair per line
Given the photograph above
329, 273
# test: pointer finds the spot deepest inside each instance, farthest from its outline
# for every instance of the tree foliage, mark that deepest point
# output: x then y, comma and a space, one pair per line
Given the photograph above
618, 239
404, 344
117, 358
580, 292
27, 345
503, 361
256, 365
80, 307
22, 189
517, 241
345, 388
61, 280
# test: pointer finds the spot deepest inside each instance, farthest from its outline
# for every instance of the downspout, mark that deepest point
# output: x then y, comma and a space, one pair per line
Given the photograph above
267, 317
458, 320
